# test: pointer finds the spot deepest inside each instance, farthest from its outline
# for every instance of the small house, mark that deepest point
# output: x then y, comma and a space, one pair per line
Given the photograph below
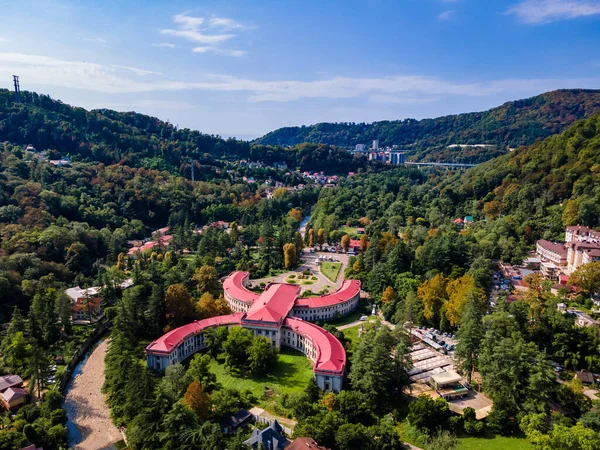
271, 438
585, 377
13, 397
239, 419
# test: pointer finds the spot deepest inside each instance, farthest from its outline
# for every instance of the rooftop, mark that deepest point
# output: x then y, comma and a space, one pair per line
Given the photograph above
234, 286
552, 246
332, 356
446, 378
170, 340
274, 304
13, 393
349, 289
8, 381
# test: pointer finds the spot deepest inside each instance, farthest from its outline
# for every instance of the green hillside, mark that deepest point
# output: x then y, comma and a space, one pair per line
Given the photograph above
513, 124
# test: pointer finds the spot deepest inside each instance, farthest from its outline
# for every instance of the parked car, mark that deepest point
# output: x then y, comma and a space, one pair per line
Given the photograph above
442, 343
363, 318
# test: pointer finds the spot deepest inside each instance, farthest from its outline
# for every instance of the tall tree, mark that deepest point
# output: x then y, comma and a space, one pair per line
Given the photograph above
289, 255
345, 242
179, 307
207, 280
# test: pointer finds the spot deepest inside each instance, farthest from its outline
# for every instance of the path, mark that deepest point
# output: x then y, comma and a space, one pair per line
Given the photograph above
86, 406
310, 263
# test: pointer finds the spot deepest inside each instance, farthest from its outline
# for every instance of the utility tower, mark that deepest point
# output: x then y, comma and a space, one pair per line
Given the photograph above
17, 89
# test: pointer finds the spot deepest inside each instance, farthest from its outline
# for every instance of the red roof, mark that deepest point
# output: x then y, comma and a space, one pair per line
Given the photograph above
173, 338
274, 304
349, 289
164, 240
355, 243
331, 355
234, 287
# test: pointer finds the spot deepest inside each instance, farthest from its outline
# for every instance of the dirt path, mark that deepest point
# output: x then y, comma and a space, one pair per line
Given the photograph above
86, 406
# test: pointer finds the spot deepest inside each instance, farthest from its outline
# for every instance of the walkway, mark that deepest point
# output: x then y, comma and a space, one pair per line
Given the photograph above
310, 263
86, 406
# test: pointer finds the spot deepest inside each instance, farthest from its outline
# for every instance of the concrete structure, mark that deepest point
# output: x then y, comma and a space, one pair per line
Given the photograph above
447, 385
376, 144
583, 246
549, 270
552, 252
277, 314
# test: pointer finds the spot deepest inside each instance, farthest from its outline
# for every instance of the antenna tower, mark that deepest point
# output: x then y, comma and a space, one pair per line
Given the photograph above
17, 89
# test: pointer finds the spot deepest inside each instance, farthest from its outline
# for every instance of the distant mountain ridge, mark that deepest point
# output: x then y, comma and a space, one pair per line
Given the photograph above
513, 124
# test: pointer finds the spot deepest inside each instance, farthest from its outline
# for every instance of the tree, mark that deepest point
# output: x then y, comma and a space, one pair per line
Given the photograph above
236, 347
470, 334
364, 242
289, 255
299, 243
206, 306
587, 277
199, 370
175, 423
352, 436
179, 307
433, 294
197, 400
207, 280
311, 238
345, 242
374, 372
459, 292
175, 382
296, 214
427, 415
321, 237
389, 295
261, 355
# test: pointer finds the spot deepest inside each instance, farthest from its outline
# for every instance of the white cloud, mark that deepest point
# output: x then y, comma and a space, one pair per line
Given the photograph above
164, 45
96, 40
47, 71
215, 32
225, 23
137, 71
446, 15
219, 51
545, 11
3, 39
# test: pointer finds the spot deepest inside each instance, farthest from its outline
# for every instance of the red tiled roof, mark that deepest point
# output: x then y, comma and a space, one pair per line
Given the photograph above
173, 338
234, 287
93, 303
331, 356
355, 243
274, 304
164, 240
349, 289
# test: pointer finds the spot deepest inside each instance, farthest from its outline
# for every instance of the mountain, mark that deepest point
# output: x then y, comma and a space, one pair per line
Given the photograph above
555, 182
104, 135
513, 124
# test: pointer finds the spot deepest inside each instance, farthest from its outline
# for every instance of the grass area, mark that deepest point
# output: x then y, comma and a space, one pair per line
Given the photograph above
485, 442
307, 283
291, 375
494, 443
363, 309
331, 270
352, 335
350, 231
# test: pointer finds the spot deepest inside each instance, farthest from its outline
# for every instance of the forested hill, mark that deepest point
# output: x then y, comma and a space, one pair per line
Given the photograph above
104, 135
513, 124
558, 178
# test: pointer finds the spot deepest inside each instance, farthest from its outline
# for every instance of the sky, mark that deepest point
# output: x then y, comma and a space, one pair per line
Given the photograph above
244, 68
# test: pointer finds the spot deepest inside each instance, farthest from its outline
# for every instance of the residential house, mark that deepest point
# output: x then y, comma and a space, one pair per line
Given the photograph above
468, 221
305, 443
459, 222
10, 381
584, 376
239, 419
271, 438
584, 320
13, 397
360, 230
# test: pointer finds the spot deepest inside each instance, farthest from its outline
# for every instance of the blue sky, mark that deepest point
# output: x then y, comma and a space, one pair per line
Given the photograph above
244, 68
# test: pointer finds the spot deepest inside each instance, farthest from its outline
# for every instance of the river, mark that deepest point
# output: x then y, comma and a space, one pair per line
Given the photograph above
89, 424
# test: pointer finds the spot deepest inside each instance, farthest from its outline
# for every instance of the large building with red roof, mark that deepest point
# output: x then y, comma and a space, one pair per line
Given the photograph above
278, 314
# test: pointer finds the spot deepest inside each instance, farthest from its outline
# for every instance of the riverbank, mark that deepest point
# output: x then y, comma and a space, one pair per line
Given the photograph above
90, 427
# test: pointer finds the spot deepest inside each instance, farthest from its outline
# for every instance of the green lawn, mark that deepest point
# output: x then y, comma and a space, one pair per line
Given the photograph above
352, 335
494, 443
291, 375
350, 231
331, 270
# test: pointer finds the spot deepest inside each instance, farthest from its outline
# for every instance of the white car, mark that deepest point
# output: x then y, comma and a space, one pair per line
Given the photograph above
363, 318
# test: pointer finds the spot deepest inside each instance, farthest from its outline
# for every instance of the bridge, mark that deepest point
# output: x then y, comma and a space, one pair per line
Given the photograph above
418, 164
